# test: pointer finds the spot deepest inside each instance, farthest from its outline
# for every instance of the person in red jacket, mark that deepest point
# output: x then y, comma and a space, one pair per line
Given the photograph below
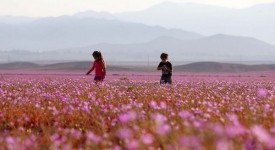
99, 66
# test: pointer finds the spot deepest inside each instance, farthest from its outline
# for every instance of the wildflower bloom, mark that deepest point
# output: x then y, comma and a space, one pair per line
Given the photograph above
71, 112
124, 133
262, 92
147, 138
261, 134
93, 137
129, 116
159, 119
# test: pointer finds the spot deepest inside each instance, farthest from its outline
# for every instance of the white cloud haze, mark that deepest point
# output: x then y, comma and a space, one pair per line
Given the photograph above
67, 7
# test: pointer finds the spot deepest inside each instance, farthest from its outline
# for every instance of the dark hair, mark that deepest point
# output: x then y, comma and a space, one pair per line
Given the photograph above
163, 56
97, 55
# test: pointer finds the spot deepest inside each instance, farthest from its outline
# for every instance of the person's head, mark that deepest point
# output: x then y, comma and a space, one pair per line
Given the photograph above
97, 55
164, 57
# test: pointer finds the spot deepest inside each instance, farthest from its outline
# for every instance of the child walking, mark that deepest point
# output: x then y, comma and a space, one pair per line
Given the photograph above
166, 68
99, 66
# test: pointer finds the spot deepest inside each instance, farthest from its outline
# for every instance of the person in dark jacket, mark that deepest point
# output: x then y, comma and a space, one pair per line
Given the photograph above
166, 67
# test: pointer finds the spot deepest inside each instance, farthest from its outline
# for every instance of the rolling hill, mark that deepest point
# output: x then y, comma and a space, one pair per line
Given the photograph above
214, 67
223, 67
65, 66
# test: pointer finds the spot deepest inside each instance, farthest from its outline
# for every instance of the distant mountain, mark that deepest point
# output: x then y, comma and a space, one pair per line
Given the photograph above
192, 67
223, 67
257, 21
73, 66
78, 66
216, 48
233, 45
65, 66
221, 48
15, 19
66, 32
18, 65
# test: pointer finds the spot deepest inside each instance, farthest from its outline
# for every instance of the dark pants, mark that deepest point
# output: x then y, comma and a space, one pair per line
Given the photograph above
165, 80
98, 78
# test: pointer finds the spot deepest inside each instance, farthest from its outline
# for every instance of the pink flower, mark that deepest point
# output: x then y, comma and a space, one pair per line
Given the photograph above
1, 115
129, 116
163, 105
153, 104
117, 147
185, 114
10, 140
159, 119
29, 143
93, 137
124, 133
261, 134
262, 92
233, 118
267, 107
250, 145
163, 129
55, 137
132, 144
147, 138
192, 142
223, 144
77, 134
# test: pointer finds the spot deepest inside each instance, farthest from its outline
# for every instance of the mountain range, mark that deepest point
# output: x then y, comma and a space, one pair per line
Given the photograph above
66, 32
256, 21
221, 48
236, 34
192, 67
218, 47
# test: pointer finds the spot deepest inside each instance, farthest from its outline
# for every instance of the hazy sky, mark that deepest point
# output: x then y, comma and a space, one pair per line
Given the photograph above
62, 7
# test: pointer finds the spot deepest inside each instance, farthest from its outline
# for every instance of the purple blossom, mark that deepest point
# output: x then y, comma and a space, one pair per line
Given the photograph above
262, 92
185, 114
250, 145
261, 134
132, 144
159, 119
153, 104
147, 138
93, 137
125, 133
163, 105
129, 116
163, 129
10, 140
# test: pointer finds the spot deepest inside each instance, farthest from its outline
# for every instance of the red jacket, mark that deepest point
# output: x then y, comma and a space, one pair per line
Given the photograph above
99, 67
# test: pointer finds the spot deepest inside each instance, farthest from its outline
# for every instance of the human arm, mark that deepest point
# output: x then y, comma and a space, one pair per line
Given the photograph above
104, 70
93, 67
169, 67
160, 66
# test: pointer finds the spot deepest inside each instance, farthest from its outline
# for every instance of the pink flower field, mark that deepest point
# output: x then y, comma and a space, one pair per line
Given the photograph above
199, 113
